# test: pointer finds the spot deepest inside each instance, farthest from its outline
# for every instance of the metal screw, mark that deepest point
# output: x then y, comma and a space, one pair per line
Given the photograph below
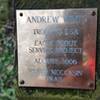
90, 85
22, 82
93, 13
21, 14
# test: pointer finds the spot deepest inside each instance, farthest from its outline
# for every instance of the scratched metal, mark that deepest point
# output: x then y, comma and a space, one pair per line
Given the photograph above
57, 48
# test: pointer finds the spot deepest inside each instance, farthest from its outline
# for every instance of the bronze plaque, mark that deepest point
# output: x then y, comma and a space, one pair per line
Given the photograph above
57, 48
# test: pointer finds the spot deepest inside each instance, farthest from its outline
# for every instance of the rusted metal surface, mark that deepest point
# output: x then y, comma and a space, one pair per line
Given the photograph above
57, 48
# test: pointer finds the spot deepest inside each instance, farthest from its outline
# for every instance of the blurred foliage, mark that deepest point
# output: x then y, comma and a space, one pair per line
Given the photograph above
8, 71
